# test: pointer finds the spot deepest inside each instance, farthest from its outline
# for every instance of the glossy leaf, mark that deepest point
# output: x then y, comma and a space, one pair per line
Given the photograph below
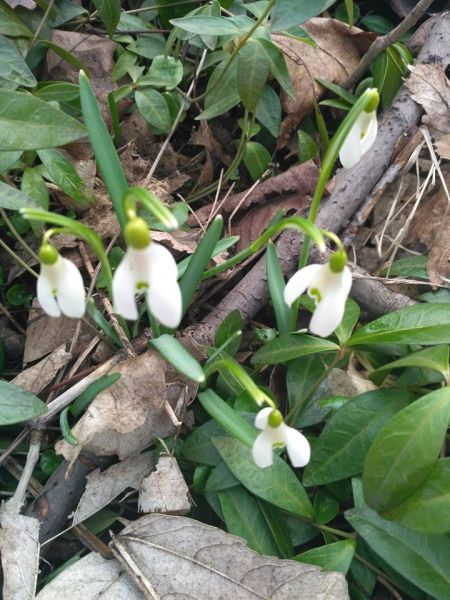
351, 316
17, 405
277, 484
287, 14
268, 111
175, 353
277, 64
109, 13
343, 444
422, 559
435, 358
289, 346
165, 71
425, 324
221, 478
307, 147
276, 284
28, 123
221, 97
256, 159
33, 185
406, 450
332, 557
230, 326
13, 67
153, 107
252, 73
278, 525
10, 24
206, 25
198, 446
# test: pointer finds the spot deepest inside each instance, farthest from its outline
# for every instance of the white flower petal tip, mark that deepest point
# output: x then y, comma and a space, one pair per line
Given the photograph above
153, 270
60, 289
297, 445
328, 289
359, 139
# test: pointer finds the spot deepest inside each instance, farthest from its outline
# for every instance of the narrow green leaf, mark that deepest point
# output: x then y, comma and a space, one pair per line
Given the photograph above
105, 153
231, 325
14, 199
13, 68
422, 559
435, 358
198, 446
332, 557
256, 159
18, 405
344, 442
277, 65
276, 284
406, 450
199, 260
252, 73
153, 107
425, 324
268, 111
109, 12
228, 418
277, 484
33, 185
287, 14
206, 25
92, 390
175, 353
278, 525
289, 346
28, 123
243, 517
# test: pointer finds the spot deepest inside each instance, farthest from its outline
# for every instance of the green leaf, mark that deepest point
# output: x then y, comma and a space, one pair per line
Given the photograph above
326, 508
422, 559
10, 24
33, 185
435, 358
289, 346
175, 353
307, 147
224, 96
13, 199
105, 153
13, 68
256, 159
221, 478
66, 177
351, 316
348, 98
18, 405
206, 25
278, 525
231, 325
332, 557
198, 446
7, 160
153, 107
199, 260
410, 266
252, 73
243, 517
276, 284
165, 71
109, 13
228, 418
277, 65
148, 46
425, 324
27, 123
287, 14
268, 111
277, 484
406, 450
344, 442
427, 510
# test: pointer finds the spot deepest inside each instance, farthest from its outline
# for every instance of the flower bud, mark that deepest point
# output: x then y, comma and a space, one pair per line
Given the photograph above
137, 233
48, 254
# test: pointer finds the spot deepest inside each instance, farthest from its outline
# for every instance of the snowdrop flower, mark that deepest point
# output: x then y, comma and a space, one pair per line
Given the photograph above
329, 286
275, 433
60, 286
148, 267
360, 138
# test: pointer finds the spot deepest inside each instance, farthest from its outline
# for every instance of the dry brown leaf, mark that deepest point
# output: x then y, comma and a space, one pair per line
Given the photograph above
181, 241
165, 490
339, 48
103, 486
130, 414
30, 4
36, 378
168, 556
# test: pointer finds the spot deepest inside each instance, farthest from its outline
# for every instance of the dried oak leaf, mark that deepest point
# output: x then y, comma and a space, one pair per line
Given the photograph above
337, 53
36, 378
165, 490
430, 88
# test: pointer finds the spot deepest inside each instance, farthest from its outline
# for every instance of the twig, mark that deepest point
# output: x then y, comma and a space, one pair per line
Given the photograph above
381, 43
16, 502
13, 445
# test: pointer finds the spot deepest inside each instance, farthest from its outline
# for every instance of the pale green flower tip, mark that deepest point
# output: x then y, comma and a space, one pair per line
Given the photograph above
137, 233
48, 254
275, 418
338, 261
373, 100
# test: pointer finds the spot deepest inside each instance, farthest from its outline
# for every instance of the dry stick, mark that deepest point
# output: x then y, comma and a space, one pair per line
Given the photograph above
381, 43
351, 188
16, 502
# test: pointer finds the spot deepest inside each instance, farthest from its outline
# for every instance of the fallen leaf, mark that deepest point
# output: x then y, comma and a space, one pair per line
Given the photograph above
337, 53
179, 240
19, 549
103, 486
36, 378
30, 4
169, 555
131, 413
165, 490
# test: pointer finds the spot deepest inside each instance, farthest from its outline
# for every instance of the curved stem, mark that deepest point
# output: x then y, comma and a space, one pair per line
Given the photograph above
21, 262
17, 235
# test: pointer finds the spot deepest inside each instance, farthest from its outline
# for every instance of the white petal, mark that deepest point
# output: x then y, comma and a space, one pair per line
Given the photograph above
262, 418
299, 282
45, 287
165, 301
123, 289
262, 450
371, 133
297, 446
70, 293
330, 310
350, 151
161, 263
